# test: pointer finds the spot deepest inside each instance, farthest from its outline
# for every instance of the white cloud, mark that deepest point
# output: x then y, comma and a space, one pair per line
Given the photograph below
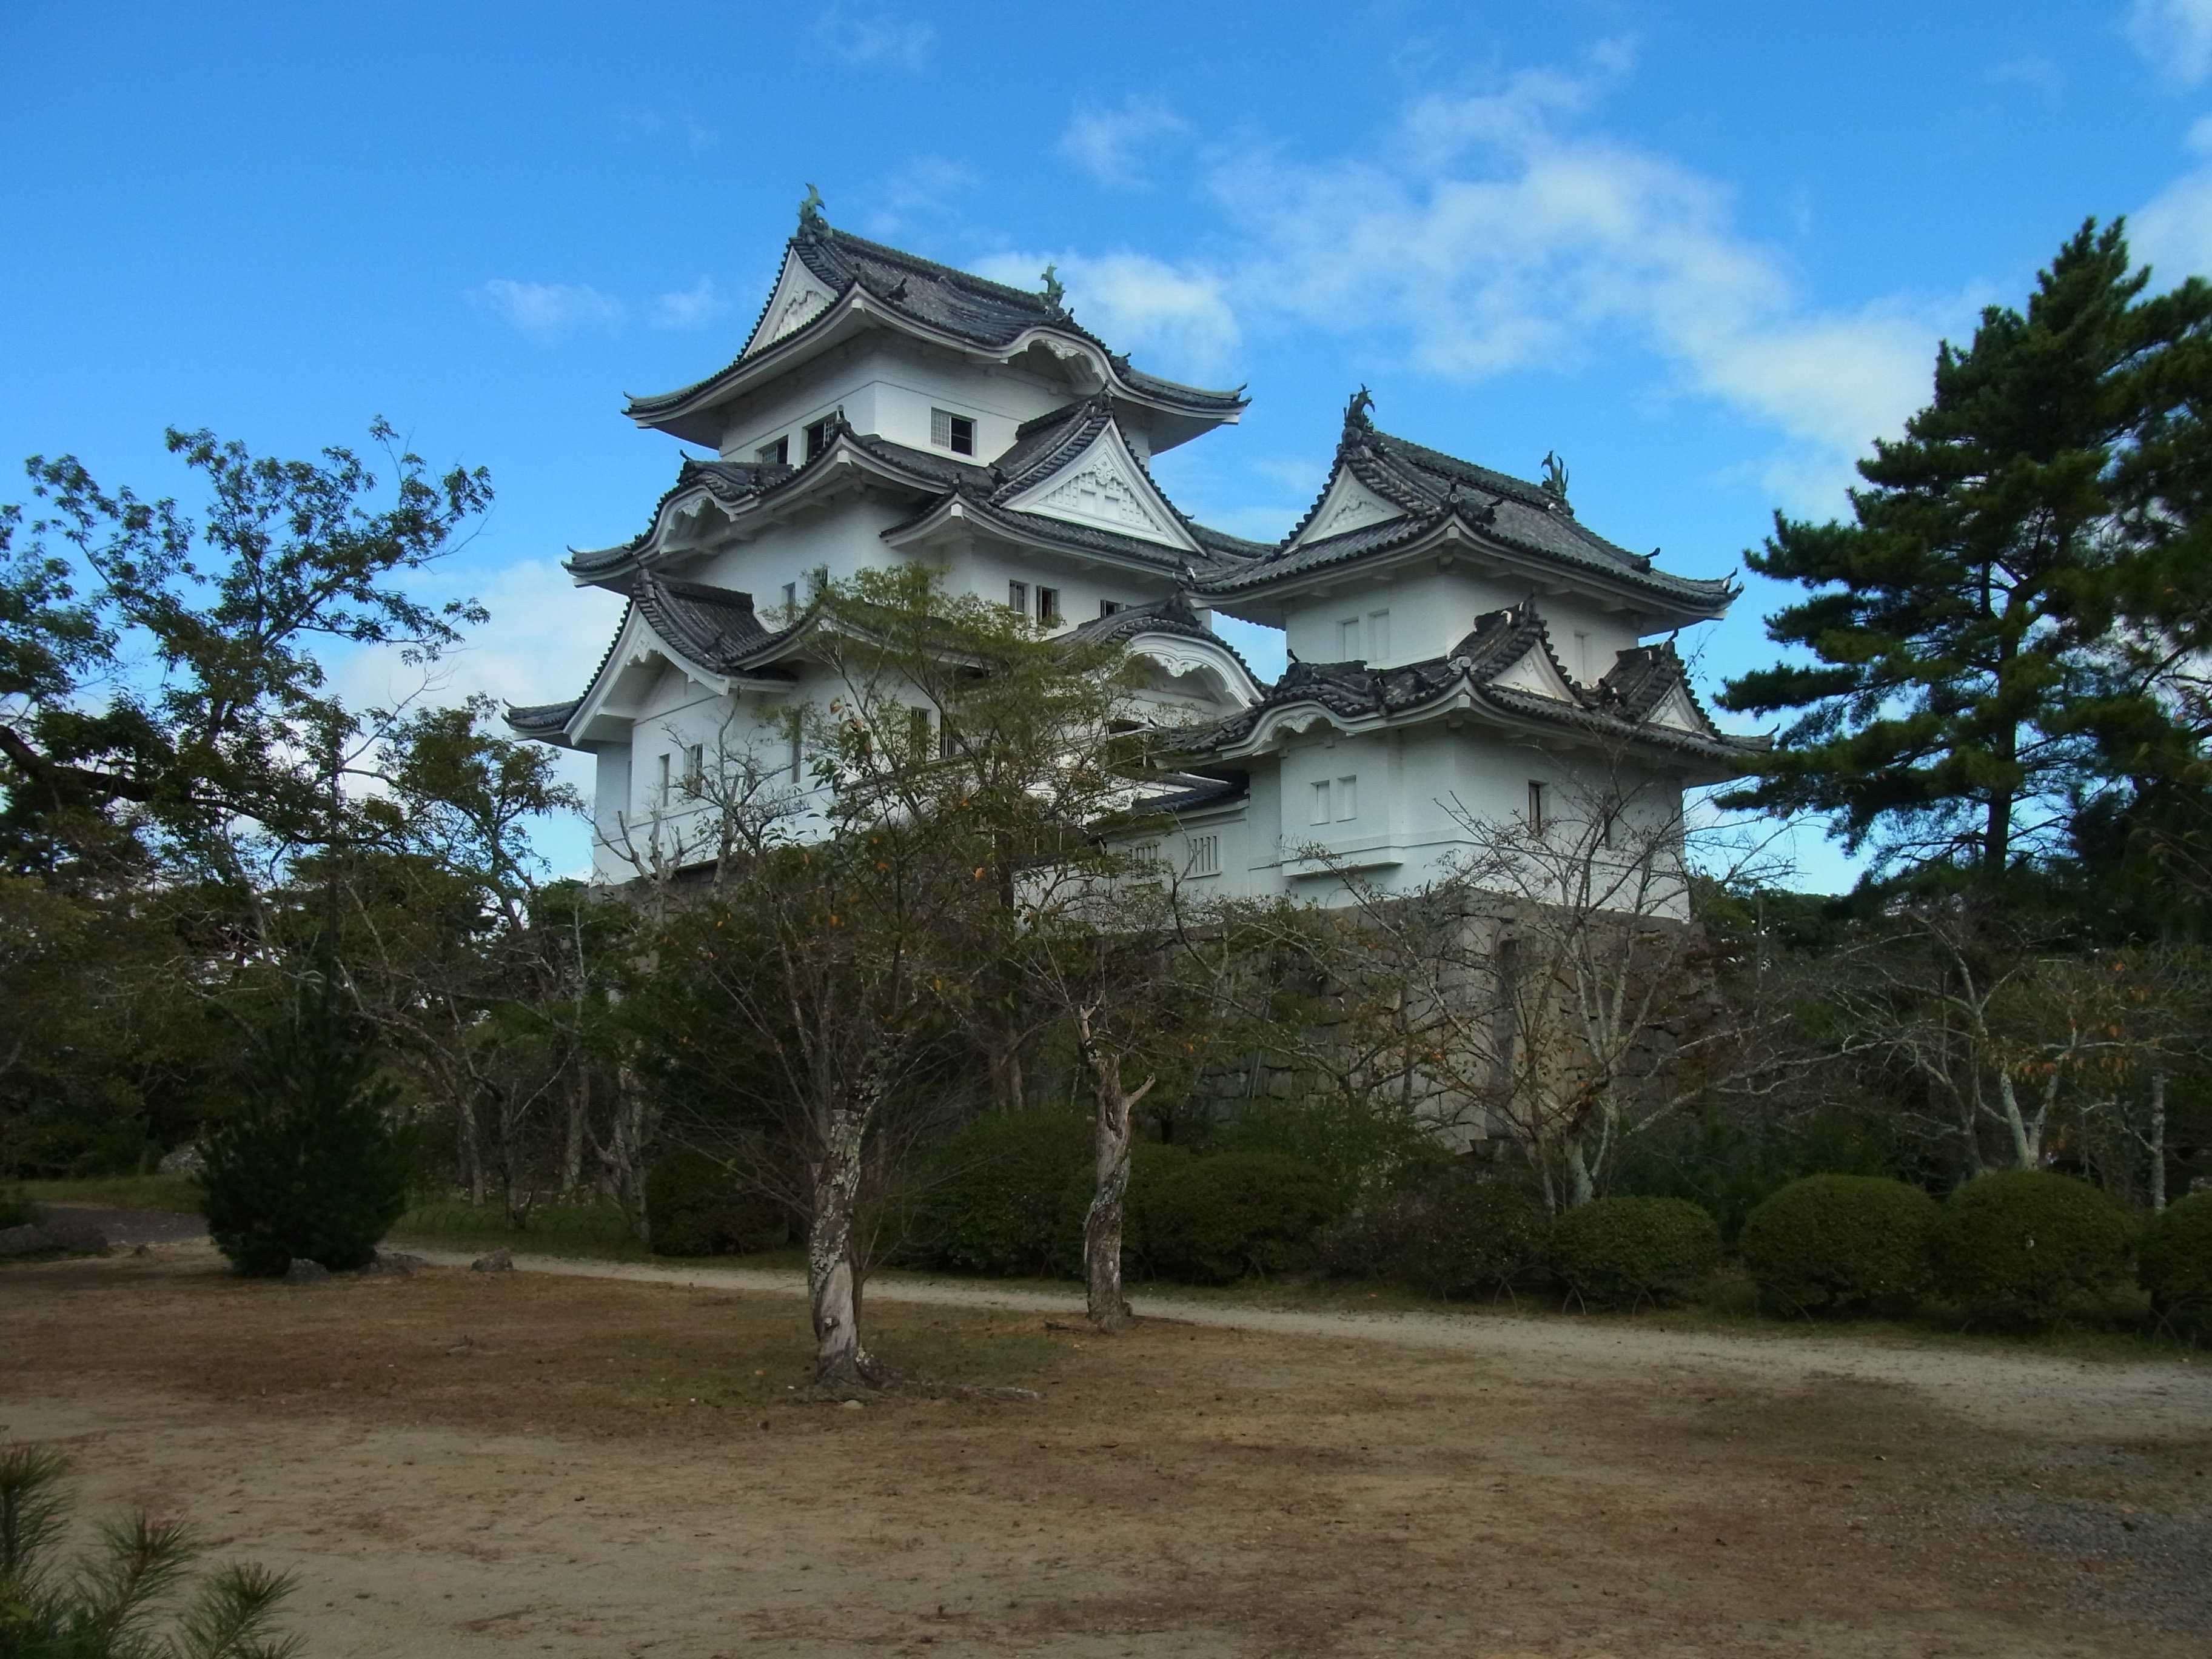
547, 309
1105, 142
1178, 315
1489, 235
871, 37
2175, 36
689, 307
2173, 230
926, 187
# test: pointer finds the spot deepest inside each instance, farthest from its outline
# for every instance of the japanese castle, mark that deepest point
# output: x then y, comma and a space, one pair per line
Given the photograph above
1459, 643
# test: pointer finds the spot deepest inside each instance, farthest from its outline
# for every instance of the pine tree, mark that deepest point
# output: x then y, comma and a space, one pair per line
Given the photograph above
312, 1166
1997, 634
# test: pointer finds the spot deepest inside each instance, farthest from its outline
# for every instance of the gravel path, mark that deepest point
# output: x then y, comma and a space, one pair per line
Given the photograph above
2096, 1400
2093, 1400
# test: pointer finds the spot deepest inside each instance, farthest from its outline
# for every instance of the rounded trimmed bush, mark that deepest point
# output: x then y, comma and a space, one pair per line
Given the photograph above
693, 1207
1458, 1232
2176, 1264
1217, 1217
1619, 1252
2022, 1244
1838, 1243
997, 1202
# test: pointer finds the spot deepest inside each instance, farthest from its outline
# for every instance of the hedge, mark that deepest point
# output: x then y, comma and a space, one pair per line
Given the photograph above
997, 1196
2022, 1245
2176, 1264
1619, 1252
695, 1206
1837, 1243
1453, 1231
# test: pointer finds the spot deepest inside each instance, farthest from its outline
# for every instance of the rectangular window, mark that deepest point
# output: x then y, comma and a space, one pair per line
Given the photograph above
779, 453
918, 744
1582, 657
944, 745
1018, 598
791, 596
954, 432
1535, 807
1378, 636
1206, 855
1347, 640
1321, 813
1108, 607
1348, 798
694, 768
817, 437
661, 795
795, 737
1047, 607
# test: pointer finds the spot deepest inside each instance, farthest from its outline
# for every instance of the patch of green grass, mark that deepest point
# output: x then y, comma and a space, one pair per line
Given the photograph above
154, 1192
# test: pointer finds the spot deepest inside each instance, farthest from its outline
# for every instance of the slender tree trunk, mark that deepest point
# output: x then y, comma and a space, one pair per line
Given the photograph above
833, 1286
2158, 1143
1582, 1187
572, 1149
622, 1155
1101, 1227
471, 1150
2026, 1139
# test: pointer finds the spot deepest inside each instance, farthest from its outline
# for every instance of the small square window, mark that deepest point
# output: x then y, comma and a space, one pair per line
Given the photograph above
818, 436
1047, 607
954, 432
1108, 607
1018, 598
1348, 798
778, 453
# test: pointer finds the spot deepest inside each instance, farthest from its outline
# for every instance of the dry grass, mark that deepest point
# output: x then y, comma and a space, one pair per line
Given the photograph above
612, 1467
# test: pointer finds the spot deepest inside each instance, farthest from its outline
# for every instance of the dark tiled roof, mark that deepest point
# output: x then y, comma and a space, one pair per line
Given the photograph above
714, 627
1206, 792
1172, 615
1499, 640
542, 719
955, 302
1431, 487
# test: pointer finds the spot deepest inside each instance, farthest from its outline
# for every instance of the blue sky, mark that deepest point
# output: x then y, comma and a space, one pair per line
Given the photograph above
1704, 252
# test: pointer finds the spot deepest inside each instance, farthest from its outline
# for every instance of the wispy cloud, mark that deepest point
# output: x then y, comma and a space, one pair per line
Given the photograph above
664, 125
1107, 142
689, 307
2173, 230
872, 37
548, 310
926, 187
2175, 36
2031, 69
1178, 315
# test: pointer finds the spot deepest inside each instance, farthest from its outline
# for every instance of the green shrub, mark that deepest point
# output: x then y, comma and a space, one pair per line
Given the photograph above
1729, 1169
17, 1209
1619, 1252
1840, 1242
695, 1206
1211, 1219
999, 1195
2022, 1245
2176, 1266
312, 1166
1453, 1231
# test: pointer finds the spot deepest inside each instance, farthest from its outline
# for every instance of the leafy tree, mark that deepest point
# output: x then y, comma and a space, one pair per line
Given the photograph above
1994, 636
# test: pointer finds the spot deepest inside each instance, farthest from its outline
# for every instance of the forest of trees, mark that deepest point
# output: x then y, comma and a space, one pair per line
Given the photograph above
1994, 687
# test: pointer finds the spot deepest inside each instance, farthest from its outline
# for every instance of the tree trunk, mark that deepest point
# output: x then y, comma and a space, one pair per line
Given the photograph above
1108, 1307
473, 1166
572, 1149
833, 1284
1581, 1186
2157, 1143
622, 1155
2026, 1140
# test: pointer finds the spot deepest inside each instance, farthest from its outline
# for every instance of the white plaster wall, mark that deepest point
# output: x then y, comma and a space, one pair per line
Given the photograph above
843, 538
1431, 612
985, 568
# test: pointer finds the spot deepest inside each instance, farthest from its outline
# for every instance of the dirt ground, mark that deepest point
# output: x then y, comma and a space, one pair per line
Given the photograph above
474, 1464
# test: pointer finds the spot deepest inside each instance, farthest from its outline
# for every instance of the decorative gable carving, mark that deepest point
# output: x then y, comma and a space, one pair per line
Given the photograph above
1532, 671
799, 299
1349, 505
1104, 487
1677, 710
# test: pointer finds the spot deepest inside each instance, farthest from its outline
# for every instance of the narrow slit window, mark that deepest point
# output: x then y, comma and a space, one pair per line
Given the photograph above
1348, 798
1378, 636
954, 432
695, 767
661, 792
1535, 807
1347, 640
918, 735
1321, 811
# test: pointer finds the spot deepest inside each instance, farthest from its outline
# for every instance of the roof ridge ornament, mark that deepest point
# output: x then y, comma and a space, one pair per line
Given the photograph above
812, 224
1555, 478
1055, 289
1358, 412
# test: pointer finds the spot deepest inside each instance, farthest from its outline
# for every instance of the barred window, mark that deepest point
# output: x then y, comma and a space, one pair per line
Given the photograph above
1206, 855
954, 432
